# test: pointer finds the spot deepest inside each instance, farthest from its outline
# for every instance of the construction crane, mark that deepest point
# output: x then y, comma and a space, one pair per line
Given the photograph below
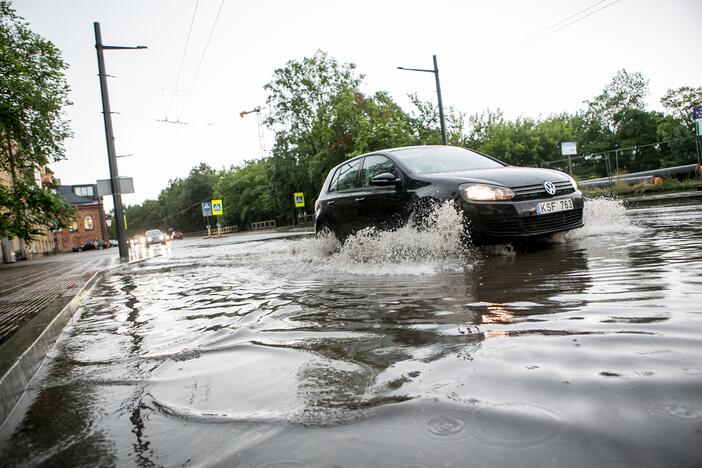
261, 138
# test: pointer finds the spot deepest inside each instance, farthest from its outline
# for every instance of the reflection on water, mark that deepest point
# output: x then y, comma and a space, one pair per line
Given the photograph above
582, 352
141, 251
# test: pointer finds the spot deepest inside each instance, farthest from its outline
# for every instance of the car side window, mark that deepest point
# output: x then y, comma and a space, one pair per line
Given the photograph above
334, 180
345, 177
374, 165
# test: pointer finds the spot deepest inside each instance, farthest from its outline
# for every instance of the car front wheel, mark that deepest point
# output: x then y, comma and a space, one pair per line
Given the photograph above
326, 231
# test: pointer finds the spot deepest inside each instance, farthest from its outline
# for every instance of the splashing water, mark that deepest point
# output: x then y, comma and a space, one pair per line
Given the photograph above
602, 216
422, 246
435, 242
437, 236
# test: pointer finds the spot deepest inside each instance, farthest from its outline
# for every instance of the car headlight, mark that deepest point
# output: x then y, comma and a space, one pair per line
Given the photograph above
481, 192
575, 184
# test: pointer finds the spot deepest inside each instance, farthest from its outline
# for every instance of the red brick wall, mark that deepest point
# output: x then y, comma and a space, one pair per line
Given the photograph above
66, 239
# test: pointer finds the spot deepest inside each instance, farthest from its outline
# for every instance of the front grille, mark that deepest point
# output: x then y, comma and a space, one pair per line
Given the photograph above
533, 224
529, 192
552, 222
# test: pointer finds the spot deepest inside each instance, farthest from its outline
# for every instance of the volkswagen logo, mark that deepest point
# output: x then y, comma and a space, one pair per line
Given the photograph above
550, 188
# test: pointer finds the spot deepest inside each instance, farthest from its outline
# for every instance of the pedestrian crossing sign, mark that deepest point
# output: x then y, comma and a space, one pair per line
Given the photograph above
206, 209
217, 208
299, 200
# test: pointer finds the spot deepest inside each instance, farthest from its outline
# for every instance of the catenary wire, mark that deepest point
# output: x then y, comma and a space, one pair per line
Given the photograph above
554, 31
182, 59
538, 33
202, 58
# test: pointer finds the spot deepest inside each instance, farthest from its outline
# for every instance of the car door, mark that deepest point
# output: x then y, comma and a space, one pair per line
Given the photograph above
379, 205
340, 201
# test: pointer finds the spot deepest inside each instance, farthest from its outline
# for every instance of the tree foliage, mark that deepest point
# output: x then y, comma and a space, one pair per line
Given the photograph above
33, 93
247, 194
679, 103
627, 90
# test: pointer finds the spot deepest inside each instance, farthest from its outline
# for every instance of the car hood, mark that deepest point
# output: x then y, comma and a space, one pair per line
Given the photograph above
507, 176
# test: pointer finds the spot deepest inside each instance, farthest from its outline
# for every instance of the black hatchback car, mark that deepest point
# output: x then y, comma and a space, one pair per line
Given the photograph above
500, 202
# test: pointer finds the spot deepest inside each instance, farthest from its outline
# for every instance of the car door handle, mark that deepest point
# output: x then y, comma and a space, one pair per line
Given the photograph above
331, 202
360, 199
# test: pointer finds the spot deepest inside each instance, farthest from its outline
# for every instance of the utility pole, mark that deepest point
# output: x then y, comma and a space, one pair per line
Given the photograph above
109, 135
444, 139
435, 71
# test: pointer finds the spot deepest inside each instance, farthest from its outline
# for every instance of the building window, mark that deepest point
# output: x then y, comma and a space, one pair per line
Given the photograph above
88, 223
84, 190
73, 227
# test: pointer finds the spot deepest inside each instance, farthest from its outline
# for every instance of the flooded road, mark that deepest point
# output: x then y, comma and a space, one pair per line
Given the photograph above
586, 351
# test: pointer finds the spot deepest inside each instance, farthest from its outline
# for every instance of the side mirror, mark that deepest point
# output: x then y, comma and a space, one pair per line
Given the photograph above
386, 178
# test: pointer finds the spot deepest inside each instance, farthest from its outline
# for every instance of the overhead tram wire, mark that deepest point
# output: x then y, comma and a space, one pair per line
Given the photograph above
182, 60
202, 58
538, 33
550, 31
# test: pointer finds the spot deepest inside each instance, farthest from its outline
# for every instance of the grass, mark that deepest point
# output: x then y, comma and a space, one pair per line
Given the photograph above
622, 189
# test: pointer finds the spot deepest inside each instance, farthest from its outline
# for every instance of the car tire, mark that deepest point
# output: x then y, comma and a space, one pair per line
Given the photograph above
325, 230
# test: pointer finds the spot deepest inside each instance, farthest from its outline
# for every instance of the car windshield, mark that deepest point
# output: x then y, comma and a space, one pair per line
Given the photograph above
433, 159
154, 232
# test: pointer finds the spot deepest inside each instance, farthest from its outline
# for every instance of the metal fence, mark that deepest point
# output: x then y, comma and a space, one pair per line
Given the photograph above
618, 161
270, 224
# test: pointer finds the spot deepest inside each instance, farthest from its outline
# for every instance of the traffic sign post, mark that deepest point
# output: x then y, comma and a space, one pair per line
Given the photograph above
206, 209
697, 116
217, 208
569, 148
299, 199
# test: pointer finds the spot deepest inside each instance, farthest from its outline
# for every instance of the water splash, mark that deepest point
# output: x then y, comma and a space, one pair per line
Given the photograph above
602, 216
437, 236
423, 246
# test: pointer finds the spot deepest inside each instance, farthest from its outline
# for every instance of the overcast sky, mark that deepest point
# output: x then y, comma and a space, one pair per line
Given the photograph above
491, 54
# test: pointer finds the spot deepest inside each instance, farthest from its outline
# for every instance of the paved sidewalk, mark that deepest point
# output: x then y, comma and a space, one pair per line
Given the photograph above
33, 292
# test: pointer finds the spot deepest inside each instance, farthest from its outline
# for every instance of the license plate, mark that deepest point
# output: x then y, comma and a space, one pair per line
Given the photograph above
554, 206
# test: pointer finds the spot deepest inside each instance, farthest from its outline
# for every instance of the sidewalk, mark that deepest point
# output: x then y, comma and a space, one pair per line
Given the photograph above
27, 287
37, 298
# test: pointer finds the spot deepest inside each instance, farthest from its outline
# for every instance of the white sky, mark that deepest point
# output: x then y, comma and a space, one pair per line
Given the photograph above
472, 40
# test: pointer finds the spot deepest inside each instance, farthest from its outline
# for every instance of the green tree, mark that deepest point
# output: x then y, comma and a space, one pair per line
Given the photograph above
180, 201
142, 217
679, 103
627, 90
246, 193
33, 92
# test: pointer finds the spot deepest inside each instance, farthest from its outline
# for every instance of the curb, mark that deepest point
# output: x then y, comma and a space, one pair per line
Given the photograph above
15, 381
663, 197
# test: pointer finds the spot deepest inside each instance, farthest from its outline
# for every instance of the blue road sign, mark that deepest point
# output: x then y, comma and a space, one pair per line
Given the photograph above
697, 112
206, 209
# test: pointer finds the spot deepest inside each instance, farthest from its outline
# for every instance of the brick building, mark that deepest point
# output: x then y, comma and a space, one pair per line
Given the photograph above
90, 223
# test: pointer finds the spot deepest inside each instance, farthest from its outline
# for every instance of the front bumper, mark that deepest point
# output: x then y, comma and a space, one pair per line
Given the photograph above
510, 219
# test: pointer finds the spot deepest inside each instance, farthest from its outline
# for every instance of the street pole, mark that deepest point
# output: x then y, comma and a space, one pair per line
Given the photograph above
109, 136
435, 71
444, 139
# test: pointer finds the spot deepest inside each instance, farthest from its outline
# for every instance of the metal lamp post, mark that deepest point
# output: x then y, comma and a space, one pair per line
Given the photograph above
435, 71
109, 135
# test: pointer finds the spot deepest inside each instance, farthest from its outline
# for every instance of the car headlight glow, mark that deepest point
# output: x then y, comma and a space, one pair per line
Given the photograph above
481, 192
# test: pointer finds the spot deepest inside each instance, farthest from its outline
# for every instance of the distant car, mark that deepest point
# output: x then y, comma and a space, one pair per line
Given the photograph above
90, 245
155, 236
114, 243
498, 202
177, 235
